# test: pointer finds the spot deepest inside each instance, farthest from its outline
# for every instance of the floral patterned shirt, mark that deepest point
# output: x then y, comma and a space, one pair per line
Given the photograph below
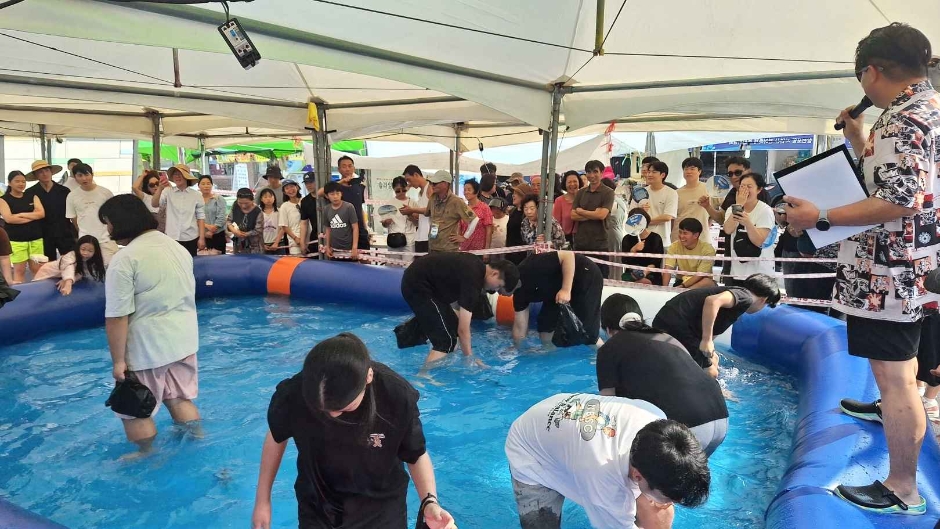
881, 271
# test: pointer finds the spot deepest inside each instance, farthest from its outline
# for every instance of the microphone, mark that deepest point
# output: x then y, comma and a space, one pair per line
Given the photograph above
862, 106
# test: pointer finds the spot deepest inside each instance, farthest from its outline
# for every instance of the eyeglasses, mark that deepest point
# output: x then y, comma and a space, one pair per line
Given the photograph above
152, 185
858, 73
739, 172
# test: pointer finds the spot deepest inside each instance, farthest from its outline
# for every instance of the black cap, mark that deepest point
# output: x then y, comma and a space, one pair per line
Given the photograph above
310, 176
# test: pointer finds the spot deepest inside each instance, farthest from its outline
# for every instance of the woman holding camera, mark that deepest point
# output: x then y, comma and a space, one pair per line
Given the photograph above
750, 224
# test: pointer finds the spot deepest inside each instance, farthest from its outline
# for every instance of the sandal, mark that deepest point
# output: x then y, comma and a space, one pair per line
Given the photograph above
878, 498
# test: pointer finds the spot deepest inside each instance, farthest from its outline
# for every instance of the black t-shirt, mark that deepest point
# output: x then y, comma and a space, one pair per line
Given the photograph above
638, 366
355, 194
54, 225
336, 460
653, 244
514, 235
681, 316
308, 212
447, 277
540, 278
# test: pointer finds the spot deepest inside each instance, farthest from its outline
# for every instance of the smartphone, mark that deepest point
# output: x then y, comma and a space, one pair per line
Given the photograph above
163, 177
737, 209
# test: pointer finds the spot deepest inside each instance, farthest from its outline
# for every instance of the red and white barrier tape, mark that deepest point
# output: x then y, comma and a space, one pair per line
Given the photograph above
705, 274
711, 257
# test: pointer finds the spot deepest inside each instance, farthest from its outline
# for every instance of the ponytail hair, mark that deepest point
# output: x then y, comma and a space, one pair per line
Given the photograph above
623, 313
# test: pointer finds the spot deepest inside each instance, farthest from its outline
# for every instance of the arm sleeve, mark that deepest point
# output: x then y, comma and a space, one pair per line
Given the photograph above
70, 206
742, 297
279, 413
672, 205
899, 166
282, 220
705, 265
119, 289
607, 368
259, 226
413, 444
200, 210
673, 249
67, 266
220, 214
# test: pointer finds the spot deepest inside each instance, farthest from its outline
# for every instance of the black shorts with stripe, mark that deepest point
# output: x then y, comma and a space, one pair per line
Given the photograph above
437, 319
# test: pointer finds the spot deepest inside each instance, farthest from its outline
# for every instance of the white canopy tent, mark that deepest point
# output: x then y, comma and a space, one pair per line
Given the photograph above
461, 73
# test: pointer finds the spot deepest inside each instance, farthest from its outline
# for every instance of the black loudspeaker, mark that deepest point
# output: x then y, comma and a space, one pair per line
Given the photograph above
621, 166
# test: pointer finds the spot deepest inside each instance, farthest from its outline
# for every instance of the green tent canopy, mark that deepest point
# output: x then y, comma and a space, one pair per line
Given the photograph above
269, 150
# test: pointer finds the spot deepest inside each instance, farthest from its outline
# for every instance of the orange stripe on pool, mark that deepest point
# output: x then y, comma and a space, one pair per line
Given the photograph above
280, 275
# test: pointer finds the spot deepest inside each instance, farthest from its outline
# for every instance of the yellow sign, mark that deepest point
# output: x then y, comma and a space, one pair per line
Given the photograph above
313, 121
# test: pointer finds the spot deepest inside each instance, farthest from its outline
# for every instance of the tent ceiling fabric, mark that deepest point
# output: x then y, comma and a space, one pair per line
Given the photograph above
500, 57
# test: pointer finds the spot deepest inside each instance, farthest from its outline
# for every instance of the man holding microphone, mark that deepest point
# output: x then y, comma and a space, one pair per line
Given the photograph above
881, 271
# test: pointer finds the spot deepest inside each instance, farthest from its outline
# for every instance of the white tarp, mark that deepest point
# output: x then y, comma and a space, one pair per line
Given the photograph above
500, 56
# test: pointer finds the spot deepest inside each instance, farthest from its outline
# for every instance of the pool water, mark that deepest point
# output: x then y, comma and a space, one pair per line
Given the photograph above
60, 447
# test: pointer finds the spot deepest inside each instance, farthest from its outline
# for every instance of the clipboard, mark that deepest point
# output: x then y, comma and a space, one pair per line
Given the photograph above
828, 180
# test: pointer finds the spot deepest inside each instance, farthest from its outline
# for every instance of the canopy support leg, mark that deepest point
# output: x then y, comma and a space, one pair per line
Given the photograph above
155, 158
549, 158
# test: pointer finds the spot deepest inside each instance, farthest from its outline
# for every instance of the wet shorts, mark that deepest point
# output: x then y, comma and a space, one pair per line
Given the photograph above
539, 507
179, 380
22, 251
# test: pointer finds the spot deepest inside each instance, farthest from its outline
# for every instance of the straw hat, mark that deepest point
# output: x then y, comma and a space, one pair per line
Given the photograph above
183, 170
42, 164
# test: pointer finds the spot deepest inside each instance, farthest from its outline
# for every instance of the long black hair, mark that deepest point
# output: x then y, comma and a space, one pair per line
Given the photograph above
334, 374
95, 268
128, 215
621, 312
267, 191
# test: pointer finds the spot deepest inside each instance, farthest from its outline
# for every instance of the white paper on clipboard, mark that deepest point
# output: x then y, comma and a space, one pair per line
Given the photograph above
828, 180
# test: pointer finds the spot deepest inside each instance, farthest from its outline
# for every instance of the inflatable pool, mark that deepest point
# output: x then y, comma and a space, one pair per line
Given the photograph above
828, 447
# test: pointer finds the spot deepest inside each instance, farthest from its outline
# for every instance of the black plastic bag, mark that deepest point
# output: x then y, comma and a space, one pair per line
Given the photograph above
7, 293
484, 309
409, 334
570, 331
130, 397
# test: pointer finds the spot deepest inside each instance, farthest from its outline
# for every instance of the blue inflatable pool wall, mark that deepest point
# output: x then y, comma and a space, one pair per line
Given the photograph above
828, 447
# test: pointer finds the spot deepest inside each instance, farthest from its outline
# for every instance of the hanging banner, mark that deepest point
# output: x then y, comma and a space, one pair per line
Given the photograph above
240, 179
799, 142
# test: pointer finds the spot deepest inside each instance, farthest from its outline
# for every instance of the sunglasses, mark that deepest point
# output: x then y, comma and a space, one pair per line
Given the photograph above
858, 73
739, 172
152, 184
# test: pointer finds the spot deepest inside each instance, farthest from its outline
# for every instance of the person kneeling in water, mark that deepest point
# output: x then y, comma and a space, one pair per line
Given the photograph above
695, 317
354, 422
640, 362
433, 282
555, 278
618, 458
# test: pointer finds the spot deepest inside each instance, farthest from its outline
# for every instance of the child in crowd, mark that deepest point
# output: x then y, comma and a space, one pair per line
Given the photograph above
269, 214
289, 217
245, 223
342, 227
402, 229
81, 206
500, 221
71, 268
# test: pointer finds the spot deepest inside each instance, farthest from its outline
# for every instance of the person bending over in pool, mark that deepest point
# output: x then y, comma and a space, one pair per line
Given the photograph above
640, 362
618, 458
554, 278
353, 421
433, 282
70, 268
695, 317
150, 316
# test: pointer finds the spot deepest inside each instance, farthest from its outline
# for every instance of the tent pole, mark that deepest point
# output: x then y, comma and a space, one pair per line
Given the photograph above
543, 171
548, 180
203, 160
42, 142
457, 128
714, 81
155, 157
135, 161
323, 165
3, 167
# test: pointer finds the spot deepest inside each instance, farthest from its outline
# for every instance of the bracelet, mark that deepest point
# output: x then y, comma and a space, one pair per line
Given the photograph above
429, 499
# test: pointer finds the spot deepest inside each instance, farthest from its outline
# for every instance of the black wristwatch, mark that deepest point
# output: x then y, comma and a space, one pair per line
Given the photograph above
822, 224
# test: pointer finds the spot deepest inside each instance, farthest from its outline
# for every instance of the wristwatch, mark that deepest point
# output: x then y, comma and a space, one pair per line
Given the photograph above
823, 223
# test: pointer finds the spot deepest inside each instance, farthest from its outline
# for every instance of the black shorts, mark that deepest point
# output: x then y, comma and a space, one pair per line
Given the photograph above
216, 242
358, 513
55, 247
882, 340
364, 243
421, 246
928, 353
191, 246
586, 290
437, 320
